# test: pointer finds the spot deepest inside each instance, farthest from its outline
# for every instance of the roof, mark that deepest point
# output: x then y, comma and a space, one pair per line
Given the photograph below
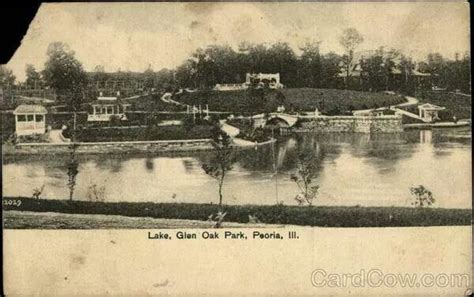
110, 98
431, 106
28, 109
108, 102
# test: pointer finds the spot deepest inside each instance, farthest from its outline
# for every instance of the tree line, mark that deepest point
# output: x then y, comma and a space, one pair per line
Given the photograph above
382, 69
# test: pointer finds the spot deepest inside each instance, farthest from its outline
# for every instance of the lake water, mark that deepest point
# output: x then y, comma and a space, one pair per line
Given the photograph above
352, 169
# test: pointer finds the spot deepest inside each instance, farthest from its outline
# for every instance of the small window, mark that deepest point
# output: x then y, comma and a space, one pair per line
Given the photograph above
110, 110
30, 118
39, 118
21, 118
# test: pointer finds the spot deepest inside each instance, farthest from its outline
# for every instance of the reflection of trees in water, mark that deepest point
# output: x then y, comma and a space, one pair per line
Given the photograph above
255, 160
114, 164
317, 145
439, 136
189, 165
287, 152
382, 146
149, 164
382, 151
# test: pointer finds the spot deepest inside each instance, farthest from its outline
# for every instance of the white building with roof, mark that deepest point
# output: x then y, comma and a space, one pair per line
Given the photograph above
273, 79
429, 112
104, 108
30, 119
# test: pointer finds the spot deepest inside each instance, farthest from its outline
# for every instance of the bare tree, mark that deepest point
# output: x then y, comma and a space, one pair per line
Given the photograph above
72, 170
221, 162
304, 179
350, 40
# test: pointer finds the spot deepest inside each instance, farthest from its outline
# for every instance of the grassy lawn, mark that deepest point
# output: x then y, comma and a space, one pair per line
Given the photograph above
153, 103
54, 220
305, 99
325, 216
144, 133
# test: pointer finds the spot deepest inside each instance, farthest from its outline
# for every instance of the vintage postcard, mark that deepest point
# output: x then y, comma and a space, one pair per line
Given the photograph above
239, 148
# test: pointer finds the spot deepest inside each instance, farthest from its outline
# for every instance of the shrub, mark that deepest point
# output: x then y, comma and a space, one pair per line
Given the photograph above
421, 196
35, 138
96, 193
37, 192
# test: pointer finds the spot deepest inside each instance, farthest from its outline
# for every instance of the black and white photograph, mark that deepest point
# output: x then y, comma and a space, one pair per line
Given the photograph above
258, 124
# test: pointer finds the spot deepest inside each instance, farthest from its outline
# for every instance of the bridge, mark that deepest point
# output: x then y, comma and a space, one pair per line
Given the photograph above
280, 119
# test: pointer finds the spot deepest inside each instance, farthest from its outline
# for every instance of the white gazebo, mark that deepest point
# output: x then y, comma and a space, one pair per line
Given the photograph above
429, 112
30, 119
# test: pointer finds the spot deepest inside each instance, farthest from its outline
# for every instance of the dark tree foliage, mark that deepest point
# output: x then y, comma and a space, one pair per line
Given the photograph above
64, 73
33, 77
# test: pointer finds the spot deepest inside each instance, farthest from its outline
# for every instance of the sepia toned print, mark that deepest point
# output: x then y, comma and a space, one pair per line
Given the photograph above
180, 128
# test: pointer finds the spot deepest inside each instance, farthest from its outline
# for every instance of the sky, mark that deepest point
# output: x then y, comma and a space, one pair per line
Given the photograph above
134, 36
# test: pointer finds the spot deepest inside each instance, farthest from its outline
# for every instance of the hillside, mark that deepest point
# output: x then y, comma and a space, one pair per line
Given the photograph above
329, 101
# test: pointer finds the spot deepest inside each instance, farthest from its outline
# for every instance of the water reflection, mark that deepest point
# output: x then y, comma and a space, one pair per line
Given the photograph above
352, 169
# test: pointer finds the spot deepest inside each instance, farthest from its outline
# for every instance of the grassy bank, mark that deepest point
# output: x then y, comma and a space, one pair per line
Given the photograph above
148, 133
324, 216
329, 101
54, 220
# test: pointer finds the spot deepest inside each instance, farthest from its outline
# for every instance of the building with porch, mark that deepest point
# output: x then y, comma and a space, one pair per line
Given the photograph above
30, 119
429, 112
273, 79
104, 108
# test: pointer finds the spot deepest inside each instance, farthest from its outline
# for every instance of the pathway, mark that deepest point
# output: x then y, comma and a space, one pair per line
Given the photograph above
410, 101
56, 136
230, 130
167, 99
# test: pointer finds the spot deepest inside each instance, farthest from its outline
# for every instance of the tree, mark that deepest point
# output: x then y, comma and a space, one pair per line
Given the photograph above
282, 59
389, 64
421, 196
33, 77
437, 68
221, 162
310, 70
373, 71
149, 77
330, 70
304, 179
72, 170
7, 79
350, 40
457, 74
64, 73
185, 75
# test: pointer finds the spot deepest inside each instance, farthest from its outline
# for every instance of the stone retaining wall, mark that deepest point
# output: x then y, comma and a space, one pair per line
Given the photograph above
357, 124
125, 147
